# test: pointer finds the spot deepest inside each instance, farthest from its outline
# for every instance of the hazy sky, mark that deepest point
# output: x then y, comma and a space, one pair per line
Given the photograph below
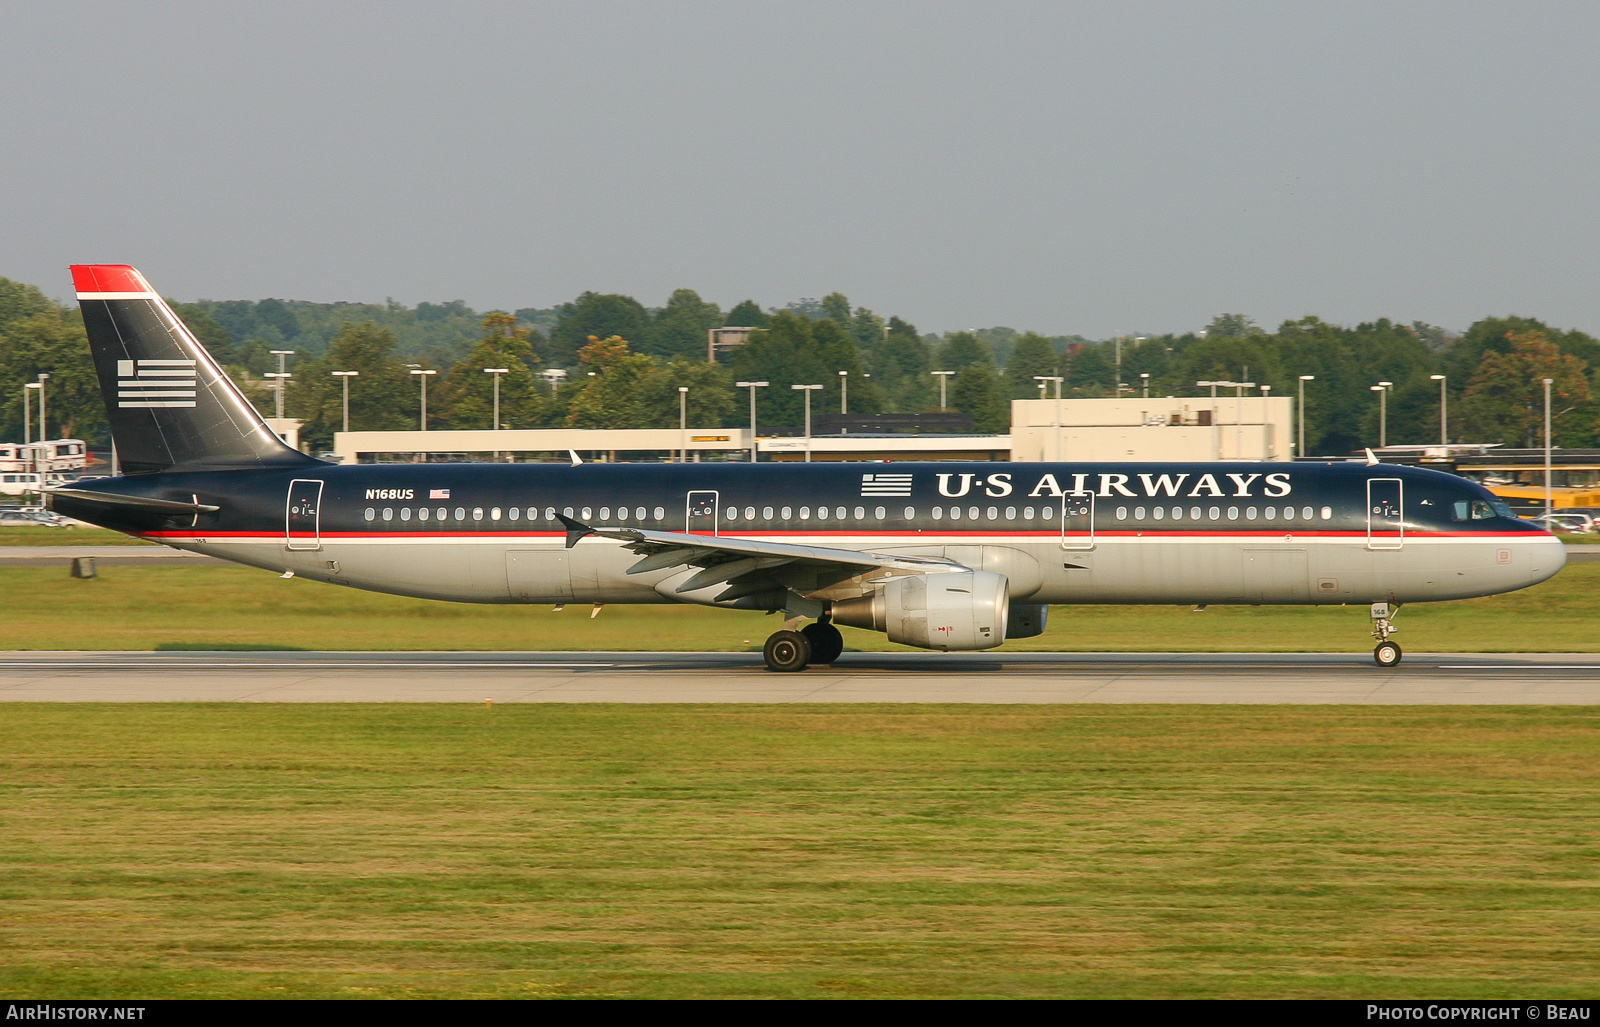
1089, 168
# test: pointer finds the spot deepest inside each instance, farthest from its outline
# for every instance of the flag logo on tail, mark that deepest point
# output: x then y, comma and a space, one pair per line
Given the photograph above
155, 383
886, 484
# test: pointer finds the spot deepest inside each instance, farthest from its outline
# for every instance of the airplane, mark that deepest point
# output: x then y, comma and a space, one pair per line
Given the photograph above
943, 556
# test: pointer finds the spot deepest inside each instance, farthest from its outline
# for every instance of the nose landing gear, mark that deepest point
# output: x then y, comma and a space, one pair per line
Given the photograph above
788, 651
1387, 653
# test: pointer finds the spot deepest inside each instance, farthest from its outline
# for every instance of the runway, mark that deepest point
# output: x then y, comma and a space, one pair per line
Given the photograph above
633, 677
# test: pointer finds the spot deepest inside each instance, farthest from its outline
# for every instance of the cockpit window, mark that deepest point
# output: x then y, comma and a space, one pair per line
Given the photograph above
1479, 510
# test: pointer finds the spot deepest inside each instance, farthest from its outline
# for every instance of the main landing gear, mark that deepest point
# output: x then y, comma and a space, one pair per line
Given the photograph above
788, 651
1387, 653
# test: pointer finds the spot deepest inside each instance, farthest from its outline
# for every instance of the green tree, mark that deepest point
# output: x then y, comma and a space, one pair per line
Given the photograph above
710, 397
1232, 326
679, 330
866, 328
383, 396
976, 390
1463, 358
52, 342
795, 350
278, 315
598, 315
1031, 354
746, 315
466, 396
900, 366
19, 300
1505, 400
610, 386
836, 308
963, 349
1089, 372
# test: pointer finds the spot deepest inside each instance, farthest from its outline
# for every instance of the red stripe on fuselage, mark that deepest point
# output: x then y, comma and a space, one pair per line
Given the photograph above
917, 535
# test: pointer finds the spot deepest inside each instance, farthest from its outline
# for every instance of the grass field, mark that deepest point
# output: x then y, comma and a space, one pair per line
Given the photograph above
671, 851
42, 536
217, 607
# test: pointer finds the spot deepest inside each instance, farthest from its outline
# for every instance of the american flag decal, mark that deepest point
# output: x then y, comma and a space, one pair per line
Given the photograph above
886, 484
155, 383
438, 493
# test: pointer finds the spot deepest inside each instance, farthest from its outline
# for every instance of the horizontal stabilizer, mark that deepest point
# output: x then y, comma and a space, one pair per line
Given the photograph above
139, 502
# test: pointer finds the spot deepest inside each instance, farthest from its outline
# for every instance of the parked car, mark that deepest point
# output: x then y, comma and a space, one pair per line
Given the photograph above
31, 517
1566, 523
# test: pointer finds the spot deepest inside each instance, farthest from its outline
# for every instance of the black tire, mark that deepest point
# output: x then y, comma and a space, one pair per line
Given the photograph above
1387, 654
786, 652
826, 642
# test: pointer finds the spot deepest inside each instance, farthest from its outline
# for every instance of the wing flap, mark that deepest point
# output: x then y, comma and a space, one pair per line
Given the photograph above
750, 566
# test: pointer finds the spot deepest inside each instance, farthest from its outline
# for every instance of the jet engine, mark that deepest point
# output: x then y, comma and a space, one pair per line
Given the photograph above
955, 610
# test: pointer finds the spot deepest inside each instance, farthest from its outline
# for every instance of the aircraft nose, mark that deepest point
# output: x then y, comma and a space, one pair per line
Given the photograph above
1548, 555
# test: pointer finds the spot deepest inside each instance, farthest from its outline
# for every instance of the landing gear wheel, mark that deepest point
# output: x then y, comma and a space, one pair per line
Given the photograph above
826, 642
787, 651
1387, 654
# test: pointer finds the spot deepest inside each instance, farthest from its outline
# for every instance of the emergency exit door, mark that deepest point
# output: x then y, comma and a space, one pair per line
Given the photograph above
303, 526
702, 518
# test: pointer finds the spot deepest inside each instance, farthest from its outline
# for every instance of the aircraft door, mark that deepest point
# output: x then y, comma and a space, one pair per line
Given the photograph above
1077, 522
702, 517
1386, 526
303, 522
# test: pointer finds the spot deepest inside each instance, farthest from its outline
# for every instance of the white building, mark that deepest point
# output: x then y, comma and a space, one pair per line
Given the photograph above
1199, 428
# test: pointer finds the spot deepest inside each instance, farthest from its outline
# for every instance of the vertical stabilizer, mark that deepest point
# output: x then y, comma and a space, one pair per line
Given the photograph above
170, 406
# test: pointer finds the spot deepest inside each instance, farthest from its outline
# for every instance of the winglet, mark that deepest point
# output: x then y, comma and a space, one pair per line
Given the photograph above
1372, 460
575, 529
576, 459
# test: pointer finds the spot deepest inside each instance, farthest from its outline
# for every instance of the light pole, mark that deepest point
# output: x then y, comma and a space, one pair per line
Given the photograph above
27, 421
1549, 505
1144, 383
844, 392
1216, 426
283, 355
1300, 409
752, 386
497, 372
1444, 433
422, 377
1266, 429
1382, 389
345, 376
683, 424
808, 390
1238, 416
553, 377
1058, 379
944, 376
42, 433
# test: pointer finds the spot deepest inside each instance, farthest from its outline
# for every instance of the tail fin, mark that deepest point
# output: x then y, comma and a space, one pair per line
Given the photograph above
170, 405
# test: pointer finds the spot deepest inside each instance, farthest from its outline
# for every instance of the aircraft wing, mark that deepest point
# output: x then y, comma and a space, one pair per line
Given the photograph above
750, 566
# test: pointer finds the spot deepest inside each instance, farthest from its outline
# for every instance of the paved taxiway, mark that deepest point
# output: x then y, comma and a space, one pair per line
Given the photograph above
1426, 678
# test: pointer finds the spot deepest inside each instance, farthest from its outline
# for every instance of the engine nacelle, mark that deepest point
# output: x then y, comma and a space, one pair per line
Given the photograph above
1025, 620
957, 610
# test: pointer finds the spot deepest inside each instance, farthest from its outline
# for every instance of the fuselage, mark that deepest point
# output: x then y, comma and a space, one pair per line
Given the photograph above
1219, 533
